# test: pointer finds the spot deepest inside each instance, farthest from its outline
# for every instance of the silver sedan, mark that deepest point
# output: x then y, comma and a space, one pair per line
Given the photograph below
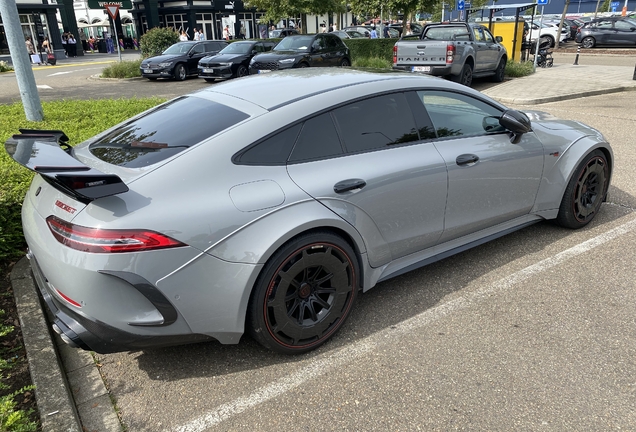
266, 204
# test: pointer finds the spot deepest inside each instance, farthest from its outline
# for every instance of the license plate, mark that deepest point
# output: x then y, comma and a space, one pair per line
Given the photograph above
208, 70
260, 71
147, 70
421, 69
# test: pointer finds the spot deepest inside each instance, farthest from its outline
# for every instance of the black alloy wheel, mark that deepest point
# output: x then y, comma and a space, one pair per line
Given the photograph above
585, 192
305, 293
179, 72
465, 77
345, 63
500, 72
242, 71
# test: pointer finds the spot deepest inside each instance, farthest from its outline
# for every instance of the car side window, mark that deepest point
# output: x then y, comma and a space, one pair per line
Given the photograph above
375, 123
319, 44
271, 151
488, 36
479, 34
455, 114
332, 42
623, 26
318, 139
199, 49
604, 24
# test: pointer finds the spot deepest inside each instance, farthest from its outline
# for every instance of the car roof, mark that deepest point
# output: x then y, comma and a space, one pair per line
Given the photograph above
276, 89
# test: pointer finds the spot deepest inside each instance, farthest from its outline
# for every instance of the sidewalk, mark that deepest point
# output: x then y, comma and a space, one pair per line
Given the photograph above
71, 395
88, 57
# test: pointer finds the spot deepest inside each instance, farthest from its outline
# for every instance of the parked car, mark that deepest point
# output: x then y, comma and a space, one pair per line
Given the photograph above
547, 32
179, 60
265, 204
570, 25
318, 50
233, 60
348, 34
281, 33
607, 31
366, 31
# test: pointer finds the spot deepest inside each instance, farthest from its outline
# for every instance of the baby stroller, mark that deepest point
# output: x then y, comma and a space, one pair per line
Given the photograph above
544, 56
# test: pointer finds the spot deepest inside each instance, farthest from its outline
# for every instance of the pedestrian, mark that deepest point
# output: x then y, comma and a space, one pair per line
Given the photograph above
29, 45
65, 43
374, 34
183, 37
226, 33
71, 45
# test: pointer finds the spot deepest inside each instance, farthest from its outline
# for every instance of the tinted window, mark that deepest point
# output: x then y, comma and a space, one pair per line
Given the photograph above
455, 114
318, 139
332, 42
199, 49
377, 122
164, 132
272, 151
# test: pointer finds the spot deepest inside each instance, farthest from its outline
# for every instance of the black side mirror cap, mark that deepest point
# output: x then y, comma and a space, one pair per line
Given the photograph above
499, 39
516, 122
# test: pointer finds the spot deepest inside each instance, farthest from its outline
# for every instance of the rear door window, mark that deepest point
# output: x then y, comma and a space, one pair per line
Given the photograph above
164, 132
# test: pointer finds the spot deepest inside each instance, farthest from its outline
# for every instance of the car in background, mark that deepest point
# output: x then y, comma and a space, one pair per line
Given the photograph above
233, 61
267, 205
546, 32
281, 33
318, 50
569, 24
348, 34
179, 60
607, 31
366, 31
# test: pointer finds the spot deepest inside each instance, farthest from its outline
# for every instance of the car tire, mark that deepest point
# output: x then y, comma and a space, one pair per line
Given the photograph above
588, 42
210, 80
303, 65
465, 77
345, 62
585, 191
500, 72
549, 39
179, 72
304, 293
241, 72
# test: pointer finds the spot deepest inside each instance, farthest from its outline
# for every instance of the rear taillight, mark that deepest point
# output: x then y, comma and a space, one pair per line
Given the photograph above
106, 240
450, 53
394, 54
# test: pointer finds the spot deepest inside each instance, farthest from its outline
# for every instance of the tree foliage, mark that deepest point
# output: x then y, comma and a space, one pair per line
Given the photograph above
276, 10
156, 40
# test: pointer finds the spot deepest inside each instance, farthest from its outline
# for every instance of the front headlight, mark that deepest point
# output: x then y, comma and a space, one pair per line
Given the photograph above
225, 64
287, 61
166, 64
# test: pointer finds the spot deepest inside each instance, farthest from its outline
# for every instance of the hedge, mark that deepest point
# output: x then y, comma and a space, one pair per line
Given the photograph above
369, 48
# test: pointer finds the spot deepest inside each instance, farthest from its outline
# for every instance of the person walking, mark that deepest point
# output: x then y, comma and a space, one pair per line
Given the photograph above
183, 37
226, 33
71, 45
374, 34
31, 50
65, 43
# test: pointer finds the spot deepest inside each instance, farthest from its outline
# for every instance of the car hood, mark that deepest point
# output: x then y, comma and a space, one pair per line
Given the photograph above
162, 59
223, 58
567, 130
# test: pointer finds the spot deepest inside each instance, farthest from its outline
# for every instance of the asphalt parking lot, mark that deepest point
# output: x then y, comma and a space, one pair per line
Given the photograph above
534, 331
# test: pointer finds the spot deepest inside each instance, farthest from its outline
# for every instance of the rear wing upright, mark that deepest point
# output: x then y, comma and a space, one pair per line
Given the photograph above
48, 153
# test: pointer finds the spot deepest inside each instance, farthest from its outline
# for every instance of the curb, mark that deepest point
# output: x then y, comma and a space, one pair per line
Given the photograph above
69, 390
98, 77
542, 100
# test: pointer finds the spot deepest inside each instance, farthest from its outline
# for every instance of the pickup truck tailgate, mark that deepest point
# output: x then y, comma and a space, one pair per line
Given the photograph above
420, 54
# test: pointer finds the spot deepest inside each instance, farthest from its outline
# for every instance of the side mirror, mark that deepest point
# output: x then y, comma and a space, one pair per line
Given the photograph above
516, 122
499, 39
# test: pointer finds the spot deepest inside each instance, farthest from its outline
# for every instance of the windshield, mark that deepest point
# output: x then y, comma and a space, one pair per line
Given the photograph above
237, 48
178, 48
296, 43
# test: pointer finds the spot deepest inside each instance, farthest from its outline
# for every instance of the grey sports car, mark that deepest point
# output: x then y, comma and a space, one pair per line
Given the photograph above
266, 204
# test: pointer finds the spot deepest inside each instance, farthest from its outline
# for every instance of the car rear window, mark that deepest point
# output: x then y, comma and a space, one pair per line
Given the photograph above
165, 132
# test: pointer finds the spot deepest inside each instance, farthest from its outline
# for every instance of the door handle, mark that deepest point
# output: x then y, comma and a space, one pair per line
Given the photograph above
349, 184
467, 159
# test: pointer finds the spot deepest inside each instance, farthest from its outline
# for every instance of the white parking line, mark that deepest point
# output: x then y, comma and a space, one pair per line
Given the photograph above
320, 366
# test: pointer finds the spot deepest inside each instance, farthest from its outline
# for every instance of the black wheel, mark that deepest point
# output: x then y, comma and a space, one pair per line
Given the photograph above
588, 42
210, 80
179, 72
242, 71
465, 77
304, 294
548, 39
585, 192
345, 62
303, 65
500, 72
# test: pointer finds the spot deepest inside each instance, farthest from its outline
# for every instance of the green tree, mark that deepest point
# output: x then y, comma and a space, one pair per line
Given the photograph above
276, 10
156, 40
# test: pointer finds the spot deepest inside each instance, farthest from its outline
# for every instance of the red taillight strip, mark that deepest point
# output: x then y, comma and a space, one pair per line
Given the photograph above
394, 54
68, 299
99, 240
450, 53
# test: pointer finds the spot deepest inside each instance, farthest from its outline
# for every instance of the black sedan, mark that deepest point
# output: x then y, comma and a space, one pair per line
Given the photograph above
607, 31
318, 50
179, 60
233, 60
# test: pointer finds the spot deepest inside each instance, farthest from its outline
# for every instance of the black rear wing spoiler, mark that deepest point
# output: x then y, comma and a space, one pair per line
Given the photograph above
47, 153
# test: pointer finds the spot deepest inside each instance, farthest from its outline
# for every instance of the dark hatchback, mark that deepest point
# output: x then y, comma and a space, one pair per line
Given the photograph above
179, 60
607, 31
319, 50
233, 60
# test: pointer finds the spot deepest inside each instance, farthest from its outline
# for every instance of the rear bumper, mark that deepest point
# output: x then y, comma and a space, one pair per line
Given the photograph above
435, 70
80, 331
